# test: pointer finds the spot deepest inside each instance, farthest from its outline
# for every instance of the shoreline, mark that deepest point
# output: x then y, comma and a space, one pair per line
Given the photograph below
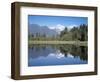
83, 43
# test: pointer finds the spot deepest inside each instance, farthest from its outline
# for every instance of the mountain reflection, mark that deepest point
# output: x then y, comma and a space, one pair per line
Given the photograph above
74, 51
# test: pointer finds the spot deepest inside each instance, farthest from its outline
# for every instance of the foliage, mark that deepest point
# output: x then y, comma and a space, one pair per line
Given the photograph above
79, 33
76, 33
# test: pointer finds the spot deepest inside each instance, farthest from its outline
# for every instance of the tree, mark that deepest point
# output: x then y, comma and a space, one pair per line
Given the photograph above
76, 33
65, 31
83, 32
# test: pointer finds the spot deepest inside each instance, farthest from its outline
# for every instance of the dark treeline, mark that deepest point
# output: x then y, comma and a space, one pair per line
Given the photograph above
79, 33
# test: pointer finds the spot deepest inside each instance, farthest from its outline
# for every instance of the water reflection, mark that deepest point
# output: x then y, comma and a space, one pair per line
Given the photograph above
44, 55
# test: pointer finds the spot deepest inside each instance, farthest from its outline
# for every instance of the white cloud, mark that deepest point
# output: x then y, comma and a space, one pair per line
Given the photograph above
58, 27
52, 27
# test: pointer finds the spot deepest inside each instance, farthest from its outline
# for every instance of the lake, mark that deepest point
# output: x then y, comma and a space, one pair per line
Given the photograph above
62, 54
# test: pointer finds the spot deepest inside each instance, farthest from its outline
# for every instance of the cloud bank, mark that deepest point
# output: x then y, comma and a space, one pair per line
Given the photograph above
58, 27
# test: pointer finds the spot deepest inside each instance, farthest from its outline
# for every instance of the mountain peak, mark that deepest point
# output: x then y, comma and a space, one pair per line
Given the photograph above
35, 28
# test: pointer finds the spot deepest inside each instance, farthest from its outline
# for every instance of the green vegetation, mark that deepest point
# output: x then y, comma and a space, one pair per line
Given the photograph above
76, 35
83, 43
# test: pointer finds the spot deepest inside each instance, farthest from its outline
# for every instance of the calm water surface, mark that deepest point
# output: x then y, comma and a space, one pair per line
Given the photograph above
48, 55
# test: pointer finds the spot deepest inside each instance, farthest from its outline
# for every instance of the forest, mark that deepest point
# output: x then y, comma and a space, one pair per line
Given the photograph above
77, 33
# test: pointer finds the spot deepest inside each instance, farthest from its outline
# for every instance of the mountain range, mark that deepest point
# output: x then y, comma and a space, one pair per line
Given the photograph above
35, 28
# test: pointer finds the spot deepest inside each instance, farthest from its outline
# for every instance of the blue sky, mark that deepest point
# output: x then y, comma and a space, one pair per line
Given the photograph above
57, 21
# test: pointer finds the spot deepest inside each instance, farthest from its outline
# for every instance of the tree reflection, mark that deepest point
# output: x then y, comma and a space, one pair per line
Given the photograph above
44, 50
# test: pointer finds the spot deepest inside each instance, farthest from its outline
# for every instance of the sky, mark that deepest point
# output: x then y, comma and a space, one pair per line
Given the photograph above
59, 22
